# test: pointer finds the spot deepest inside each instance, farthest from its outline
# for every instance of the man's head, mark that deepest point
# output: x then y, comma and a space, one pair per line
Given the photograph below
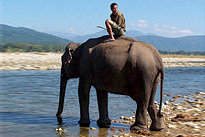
114, 8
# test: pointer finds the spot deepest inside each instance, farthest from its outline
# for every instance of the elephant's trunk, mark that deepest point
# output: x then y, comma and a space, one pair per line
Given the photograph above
63, 84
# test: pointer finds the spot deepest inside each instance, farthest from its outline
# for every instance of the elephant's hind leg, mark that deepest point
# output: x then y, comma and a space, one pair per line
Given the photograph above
157, 121
141, 94
140, 117
102, 97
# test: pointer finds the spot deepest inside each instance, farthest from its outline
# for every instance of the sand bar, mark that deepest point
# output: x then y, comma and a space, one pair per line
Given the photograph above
52, 61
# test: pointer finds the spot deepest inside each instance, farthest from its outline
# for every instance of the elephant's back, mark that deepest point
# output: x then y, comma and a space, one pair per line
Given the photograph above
114, 63
111, 55
116, 55
141, 51
108, 63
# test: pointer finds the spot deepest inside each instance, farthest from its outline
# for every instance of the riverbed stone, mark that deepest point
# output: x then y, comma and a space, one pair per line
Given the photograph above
177, 96
201, 93
166, 103
169, 95
121, 129
92, 128
122, 117
172, 126
113, 129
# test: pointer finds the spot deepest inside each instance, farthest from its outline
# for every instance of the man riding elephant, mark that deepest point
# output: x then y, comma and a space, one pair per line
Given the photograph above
116, 24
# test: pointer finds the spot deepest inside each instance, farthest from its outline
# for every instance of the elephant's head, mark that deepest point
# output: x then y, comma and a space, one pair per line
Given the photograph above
70, 60
69, 69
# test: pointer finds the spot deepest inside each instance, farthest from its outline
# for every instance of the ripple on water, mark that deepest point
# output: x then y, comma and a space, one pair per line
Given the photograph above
29, 100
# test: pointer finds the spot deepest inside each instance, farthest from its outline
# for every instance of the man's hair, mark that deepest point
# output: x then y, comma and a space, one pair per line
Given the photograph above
112, 5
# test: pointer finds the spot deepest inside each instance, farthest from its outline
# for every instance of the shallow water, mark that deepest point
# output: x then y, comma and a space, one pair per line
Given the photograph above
29, 101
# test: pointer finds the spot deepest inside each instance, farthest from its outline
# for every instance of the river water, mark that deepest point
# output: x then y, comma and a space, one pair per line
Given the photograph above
29, 101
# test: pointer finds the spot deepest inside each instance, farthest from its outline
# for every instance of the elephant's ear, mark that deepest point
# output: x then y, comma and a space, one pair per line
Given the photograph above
73, 55
69, 56
77, 53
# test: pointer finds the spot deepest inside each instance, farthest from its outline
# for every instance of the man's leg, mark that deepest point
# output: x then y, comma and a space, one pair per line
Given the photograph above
108, 24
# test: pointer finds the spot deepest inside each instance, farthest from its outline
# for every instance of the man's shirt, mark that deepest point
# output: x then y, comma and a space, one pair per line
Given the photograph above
118, 19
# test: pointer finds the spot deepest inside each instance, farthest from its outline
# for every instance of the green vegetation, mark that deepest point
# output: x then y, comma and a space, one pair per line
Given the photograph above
22, 47
10, 34
181, 52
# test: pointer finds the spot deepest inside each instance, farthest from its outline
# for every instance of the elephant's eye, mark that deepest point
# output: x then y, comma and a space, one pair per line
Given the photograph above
71, 50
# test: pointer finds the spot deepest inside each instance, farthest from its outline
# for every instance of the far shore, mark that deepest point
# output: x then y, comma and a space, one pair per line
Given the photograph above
52, 61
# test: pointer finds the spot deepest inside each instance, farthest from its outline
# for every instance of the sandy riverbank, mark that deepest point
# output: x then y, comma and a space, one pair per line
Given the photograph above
52, 61
183, 116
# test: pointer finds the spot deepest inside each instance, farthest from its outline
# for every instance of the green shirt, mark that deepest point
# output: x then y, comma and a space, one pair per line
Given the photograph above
118, 19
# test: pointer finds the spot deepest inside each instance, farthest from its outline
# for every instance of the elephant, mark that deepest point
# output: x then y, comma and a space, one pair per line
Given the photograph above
125, 66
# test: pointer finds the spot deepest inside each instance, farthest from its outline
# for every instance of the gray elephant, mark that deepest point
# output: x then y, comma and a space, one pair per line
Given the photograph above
125, 66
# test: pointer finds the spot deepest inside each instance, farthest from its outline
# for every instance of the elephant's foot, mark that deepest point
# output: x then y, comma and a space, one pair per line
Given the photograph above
137, 127
157, 126
84, 123
60, 120
106, 122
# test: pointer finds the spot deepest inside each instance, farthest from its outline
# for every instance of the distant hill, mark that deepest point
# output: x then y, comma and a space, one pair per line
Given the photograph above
65, 35
9, 34
134, 33
84, 38
130, 33
188, 43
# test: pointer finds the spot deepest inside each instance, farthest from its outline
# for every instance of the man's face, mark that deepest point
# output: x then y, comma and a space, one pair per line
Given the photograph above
114, 9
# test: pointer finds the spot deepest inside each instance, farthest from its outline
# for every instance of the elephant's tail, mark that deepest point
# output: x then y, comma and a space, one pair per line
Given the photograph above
161, 90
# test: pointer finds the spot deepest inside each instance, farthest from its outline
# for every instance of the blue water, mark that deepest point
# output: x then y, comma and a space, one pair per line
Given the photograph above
29, 101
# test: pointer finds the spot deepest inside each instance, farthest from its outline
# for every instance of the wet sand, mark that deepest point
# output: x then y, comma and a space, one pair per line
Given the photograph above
52, 61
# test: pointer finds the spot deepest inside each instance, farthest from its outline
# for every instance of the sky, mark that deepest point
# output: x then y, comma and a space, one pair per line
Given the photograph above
169, 18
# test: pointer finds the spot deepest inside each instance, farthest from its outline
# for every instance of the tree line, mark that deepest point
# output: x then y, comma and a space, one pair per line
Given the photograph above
22, 47
181, 52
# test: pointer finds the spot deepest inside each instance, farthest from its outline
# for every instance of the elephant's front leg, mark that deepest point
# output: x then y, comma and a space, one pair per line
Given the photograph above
104, 120
84, 95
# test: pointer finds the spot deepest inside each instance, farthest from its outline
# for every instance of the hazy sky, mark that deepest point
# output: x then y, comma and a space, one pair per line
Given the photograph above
162, 17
